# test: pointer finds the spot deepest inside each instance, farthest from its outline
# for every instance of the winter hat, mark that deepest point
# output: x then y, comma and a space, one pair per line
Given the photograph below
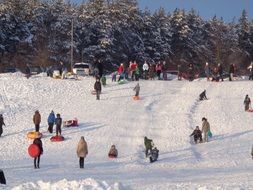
203, 118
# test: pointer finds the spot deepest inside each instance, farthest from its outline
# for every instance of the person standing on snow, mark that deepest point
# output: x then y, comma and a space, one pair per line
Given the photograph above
38, 142
37, 120
82, 151
1, 124
197, 135
51, 120
58, 123
98, 88
158, 69
231, 72
207, 71
220, 71
247, 102
121, 72
205, 128
137, 89
148, 145
250, 71
145, 69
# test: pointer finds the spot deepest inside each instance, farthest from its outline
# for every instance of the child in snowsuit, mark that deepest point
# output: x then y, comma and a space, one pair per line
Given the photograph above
82, 151
137, 89
113, 153
202, 96
98, 88
148, 145
38, 142
1, 124
197, 135
37, 120
58, 123
247, 102
154, 155
51, 120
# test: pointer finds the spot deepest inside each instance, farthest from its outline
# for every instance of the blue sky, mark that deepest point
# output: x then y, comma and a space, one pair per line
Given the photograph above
206, 8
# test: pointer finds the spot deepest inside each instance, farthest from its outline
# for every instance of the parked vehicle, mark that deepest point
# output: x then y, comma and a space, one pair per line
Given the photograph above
82, 69
35, 70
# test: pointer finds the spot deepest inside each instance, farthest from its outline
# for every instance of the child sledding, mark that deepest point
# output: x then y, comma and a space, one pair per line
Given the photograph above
113, 153
137, 92
202, 96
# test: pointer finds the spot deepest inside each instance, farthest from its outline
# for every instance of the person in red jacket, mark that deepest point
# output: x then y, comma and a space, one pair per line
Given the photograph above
158, 69
121, 71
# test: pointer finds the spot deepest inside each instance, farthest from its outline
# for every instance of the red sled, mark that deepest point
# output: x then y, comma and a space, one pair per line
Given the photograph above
58, 138
250, 110
34, 150
112, 156
71, 123
136, 98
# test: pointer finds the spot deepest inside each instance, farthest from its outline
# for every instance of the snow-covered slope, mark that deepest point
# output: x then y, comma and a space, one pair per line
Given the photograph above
167, 112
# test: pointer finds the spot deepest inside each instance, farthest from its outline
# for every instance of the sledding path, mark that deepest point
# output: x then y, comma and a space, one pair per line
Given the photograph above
167, 113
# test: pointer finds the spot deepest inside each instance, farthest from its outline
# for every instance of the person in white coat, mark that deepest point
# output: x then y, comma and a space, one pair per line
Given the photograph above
250, 68
82, 151
145, 69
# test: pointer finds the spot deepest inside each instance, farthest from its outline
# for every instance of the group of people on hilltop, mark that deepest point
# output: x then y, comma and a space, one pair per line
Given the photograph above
134, 72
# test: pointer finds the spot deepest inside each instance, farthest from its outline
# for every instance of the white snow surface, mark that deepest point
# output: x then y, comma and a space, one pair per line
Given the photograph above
167, 113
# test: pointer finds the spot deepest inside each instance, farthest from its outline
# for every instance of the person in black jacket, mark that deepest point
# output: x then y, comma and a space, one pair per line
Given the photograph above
98, 88
38, 142
231, 72
202, 96
197, 135
1, 124
58, 123
220, 70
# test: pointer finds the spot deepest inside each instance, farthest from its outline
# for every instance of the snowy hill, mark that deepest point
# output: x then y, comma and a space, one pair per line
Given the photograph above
167, 112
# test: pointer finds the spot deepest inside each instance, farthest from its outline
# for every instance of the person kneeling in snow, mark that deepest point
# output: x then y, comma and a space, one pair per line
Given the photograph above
197, 135
113, 153
202, 96
154, 155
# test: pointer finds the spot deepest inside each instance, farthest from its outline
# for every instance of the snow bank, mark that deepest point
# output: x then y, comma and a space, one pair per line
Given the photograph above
87, 184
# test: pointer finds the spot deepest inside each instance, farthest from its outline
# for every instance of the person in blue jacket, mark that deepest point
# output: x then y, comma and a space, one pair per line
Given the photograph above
51, 120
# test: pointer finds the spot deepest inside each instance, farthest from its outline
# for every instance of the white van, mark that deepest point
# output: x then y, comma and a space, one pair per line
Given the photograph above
83, 69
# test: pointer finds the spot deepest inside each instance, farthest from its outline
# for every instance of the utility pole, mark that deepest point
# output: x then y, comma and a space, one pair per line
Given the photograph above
72, 44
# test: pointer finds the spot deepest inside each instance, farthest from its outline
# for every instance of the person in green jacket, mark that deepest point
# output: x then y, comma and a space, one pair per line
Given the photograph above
103, 80
148, 145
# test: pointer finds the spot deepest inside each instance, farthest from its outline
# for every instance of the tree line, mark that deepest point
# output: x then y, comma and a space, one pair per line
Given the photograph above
38, 32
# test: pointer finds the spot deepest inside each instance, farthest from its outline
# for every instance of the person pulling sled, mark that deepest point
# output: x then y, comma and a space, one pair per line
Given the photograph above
197, 135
